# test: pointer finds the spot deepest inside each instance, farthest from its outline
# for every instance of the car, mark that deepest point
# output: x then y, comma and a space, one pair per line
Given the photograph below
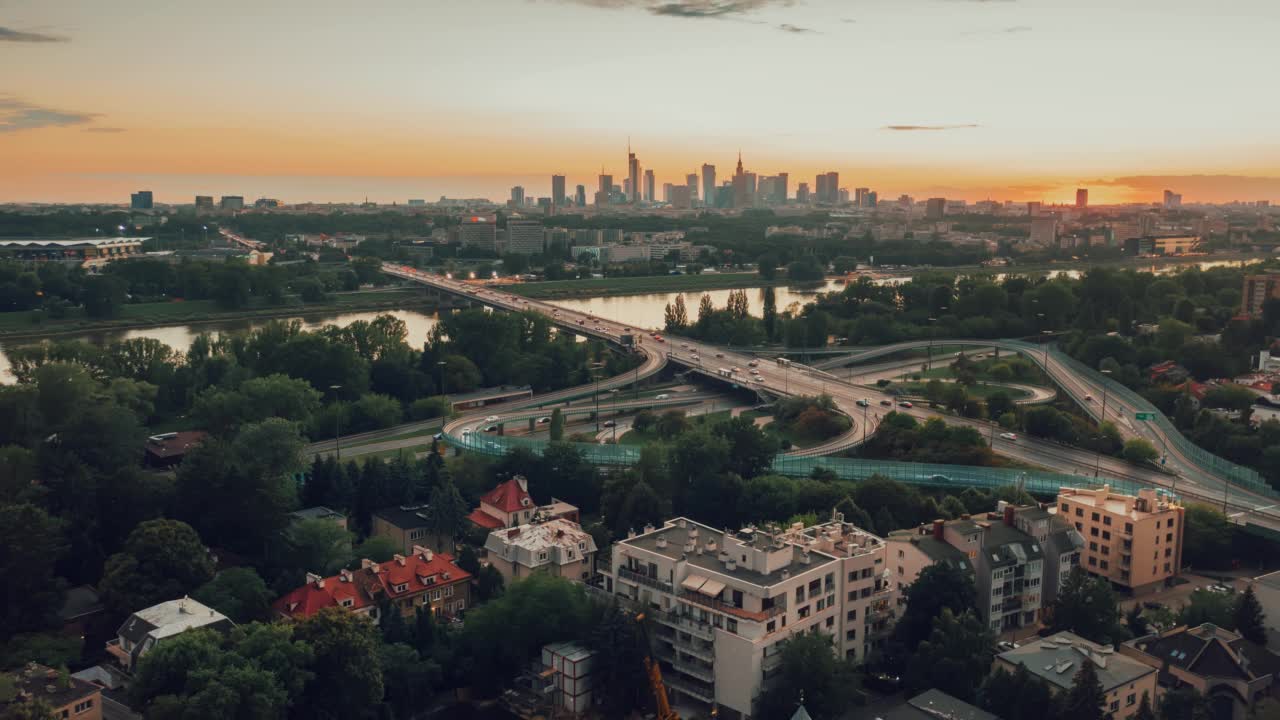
663, 396
684, 345
863, 403
491, 418
1005, 646
695, 358
466, 432
905, 404
736, 370
438, 436
491, 428
719, 354
544, 420
609, 423
757, 378
1088, 398
886, 403
753, 363
1009, 436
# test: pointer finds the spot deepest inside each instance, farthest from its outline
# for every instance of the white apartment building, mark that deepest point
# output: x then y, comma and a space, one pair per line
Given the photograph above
558, 546
722, 602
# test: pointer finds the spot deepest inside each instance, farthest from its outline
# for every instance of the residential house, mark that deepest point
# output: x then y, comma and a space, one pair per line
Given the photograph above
168, 449
510, 505
1056, 660
559, 547
147, 628
724, 601
407, 526
422, 579
67, 696
1231, 672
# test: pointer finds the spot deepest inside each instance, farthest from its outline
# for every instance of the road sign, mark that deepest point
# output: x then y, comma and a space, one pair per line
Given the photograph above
1144, 416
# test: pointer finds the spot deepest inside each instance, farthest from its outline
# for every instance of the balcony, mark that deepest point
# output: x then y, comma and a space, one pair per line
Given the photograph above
693, 688
642, 579
1125, 560
726, 608
694, 669
1011, 603
700, 649
691, 625
120, 654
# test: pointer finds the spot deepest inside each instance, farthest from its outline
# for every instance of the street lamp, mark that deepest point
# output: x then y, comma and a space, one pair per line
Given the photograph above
337, 425
614, 393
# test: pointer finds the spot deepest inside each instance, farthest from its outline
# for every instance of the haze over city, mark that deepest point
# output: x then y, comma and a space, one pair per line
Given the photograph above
307, 101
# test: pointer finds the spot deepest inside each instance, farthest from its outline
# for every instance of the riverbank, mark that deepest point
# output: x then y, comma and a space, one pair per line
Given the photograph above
20, 326
606, 287
1133, 263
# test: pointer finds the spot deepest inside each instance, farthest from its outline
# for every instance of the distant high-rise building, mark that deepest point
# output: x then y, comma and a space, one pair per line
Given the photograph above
632, 187
780, 186
743, 187
580, 196
666, 192
802, 194
604, 190
417, 202
842, 196
872, 199
935, 208
860, 196
827, 189
266, 203
141, 200
627, 189
525, 237
691, 180
708, 185
1033, 208
544, 204
517, 196
204, 201
231, 202
648, 185
1172, 200
1258, 289
1082, 198
479, 231
1044, 231
557, 191
682, 196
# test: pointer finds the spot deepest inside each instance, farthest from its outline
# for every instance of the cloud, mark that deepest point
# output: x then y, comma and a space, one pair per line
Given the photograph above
912, 128
105, 130
788, 27
695, 9
22, 36
17, 115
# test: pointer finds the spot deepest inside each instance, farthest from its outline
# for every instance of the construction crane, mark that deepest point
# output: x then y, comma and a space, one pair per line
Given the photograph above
655, 676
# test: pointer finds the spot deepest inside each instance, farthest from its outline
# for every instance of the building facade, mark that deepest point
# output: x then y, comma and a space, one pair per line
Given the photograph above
559, 547
422, 579
143, 630
1056, 659
525, 237
1258, 289
510, 505
479, 231
68, 697
1133, 542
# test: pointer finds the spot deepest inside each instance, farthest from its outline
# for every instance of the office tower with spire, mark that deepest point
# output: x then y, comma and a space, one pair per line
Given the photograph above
633, 175
649, 182
708, 185
743, 190
557, 191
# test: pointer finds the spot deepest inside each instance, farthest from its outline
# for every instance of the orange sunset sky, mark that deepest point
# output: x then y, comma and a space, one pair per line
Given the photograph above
334, 101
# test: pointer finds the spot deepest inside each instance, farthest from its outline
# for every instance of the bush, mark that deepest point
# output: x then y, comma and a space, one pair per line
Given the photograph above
428, 408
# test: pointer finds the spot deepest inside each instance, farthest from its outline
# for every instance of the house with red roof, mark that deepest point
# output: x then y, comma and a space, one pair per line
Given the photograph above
510, 505
407, 582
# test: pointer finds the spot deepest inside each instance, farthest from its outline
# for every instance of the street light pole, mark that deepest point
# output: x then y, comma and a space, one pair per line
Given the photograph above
337, 426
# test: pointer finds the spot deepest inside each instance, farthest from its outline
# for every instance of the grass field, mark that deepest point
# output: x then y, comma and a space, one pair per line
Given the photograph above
23, 324
598, 287
980, 390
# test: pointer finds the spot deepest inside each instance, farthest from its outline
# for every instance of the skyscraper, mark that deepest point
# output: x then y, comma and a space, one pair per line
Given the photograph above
633, 174
860, 196
827, 189
1082, 198
692, 181
1172, 200
935, 208
1044, 231
604, 190
580, 196
666, 192
141, 200
648, 185
780, 187
708, 185
802, 194
517, 196
743, 186
557, 191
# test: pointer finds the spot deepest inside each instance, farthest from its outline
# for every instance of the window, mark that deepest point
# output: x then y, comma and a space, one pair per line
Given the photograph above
1166, 567
866, 592
803, 612
1065, 507
853, 575
900, 555
853, 595
82, 706
1079, 512
822, 603
1168, 537
731, 625
866, 573
1093, 547
831, 622
1106, 534
773, 625
1128, 528
1130, 700
737, 598
570, 554
1093, 531
346, 602
448, 592
1106, 549
800, 594
435, 595
1115, 705
1094, 517
1103, 564
1079, 527
850, 634
1168, 552
1106, 520
851, 616
542, 556
815, 587
1093, 560
401, 587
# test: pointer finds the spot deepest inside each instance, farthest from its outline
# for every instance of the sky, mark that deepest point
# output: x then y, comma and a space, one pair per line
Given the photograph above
331, 100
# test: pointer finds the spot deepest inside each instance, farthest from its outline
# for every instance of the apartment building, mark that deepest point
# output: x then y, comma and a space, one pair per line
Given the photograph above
724, 601
1133, 542
408, 526
425, 579
1059, 541
1056, 659
557, 546
65, 696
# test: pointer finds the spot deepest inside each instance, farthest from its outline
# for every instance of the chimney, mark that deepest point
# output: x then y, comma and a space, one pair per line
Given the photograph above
661, 542
344, 576
730, 564
423, 552
399, 559
681, 523
1008, 515
313, 579
937, 528
366, 563
648, 528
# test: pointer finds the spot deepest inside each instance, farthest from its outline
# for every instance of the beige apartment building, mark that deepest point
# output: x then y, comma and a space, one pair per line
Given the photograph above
1133, 542
558, 546
722, 602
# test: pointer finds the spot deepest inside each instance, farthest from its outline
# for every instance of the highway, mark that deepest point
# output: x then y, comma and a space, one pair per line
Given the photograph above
782, 378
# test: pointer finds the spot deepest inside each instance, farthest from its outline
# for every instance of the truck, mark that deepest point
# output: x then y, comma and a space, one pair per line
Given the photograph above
783, 362
724, 372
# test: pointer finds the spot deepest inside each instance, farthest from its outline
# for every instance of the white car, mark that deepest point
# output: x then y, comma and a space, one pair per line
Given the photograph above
663, 396
544, 420
491, 418
1009, 436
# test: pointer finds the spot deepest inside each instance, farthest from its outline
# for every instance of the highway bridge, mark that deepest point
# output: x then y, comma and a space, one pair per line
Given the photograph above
1190, 471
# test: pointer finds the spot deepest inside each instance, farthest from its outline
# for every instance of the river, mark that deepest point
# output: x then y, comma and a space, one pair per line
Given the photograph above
640, 310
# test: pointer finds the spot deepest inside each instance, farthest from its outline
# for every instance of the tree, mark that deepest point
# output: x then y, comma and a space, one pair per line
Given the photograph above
1184, 704
410, 679
318, 546
1250, 621
1139, 451
1086, 606
676, 316
31, 542
809, 669
955, 657
446, 512
618, 672
999, 403
1145, 711
1135, 622
104, 295
489, 584
770, 313
347, 668
751, 451
1207, 537
378, 548
1086, 699
31, 709
939, 587
1203, 607
239, 593
161, 560
557, 425
1017, 694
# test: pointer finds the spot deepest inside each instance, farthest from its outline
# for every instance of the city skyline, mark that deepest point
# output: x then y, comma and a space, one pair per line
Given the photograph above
920, 97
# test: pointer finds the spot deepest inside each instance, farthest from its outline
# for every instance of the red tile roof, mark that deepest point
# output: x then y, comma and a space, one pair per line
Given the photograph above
484, 519
508, 497
365, 587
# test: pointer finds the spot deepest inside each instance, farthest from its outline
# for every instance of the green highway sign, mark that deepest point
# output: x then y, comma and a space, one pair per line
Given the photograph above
1144, 416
